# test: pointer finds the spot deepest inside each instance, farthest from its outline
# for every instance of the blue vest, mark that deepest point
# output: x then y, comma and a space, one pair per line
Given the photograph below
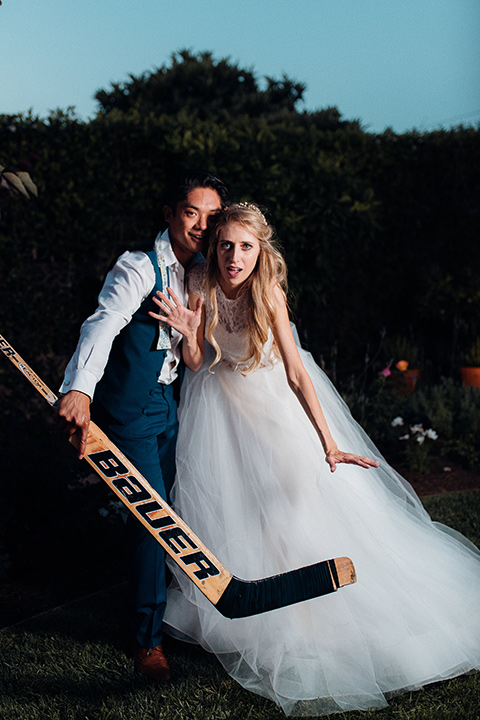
134, 364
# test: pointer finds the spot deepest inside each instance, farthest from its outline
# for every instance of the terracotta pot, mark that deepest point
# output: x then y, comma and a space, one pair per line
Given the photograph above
406, 382
470, 376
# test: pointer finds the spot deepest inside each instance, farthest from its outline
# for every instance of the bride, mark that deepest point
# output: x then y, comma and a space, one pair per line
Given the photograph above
261, 479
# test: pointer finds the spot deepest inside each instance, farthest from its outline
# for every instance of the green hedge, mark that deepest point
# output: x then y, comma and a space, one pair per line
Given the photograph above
379, 231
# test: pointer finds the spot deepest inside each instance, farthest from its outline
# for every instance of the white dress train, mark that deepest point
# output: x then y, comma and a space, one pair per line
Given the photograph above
253, 484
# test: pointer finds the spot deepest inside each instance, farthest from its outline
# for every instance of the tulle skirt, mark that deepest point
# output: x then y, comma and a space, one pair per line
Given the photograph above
253, 484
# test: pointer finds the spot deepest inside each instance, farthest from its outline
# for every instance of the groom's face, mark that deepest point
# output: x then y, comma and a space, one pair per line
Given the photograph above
189, 227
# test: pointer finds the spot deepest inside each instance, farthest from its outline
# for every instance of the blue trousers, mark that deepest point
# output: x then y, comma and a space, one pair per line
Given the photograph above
149, 443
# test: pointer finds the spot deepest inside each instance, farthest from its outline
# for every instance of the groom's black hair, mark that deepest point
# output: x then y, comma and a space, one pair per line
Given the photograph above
186, 181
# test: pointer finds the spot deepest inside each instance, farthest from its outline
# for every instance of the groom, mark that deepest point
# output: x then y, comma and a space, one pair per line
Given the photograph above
130, 363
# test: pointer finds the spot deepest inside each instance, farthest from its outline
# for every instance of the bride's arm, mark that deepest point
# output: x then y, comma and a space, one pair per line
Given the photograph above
190, 322
301, 384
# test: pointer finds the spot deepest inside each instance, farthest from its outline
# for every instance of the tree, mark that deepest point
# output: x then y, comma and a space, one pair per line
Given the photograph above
199, 87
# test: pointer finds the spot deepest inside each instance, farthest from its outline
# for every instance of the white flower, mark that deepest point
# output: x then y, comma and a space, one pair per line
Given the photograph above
397, 421
405, 437
431, 434
417, 428
420, 439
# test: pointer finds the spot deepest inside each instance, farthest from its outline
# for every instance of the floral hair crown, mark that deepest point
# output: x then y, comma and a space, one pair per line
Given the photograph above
255, 208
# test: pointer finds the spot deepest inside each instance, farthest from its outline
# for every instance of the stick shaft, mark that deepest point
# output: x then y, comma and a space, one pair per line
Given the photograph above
37, 383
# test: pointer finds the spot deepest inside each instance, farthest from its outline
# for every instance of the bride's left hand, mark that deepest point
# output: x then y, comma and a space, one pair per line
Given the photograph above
184, 320
338, 456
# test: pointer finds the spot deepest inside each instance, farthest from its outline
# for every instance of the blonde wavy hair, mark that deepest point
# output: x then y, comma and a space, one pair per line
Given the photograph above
270, 270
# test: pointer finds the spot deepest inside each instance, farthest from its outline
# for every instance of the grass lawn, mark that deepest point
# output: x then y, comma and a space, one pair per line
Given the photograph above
70, 664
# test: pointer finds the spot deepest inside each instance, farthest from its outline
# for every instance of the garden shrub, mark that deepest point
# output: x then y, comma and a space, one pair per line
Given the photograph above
453, 409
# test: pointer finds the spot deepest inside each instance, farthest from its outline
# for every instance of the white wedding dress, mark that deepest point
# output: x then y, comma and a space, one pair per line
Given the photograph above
253, 484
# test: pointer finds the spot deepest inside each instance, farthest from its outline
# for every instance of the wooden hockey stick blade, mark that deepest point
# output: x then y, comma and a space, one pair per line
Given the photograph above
232, 596
242, 598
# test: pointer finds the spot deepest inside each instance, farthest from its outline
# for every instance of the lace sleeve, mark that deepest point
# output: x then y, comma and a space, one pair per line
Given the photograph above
196, 279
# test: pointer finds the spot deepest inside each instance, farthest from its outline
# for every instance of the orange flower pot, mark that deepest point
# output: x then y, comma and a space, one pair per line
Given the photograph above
406, 382
470, 376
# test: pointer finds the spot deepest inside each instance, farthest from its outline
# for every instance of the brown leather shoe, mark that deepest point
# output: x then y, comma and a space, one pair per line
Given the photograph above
153, 664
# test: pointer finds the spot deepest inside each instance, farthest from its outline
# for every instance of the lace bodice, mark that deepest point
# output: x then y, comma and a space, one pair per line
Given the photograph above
231, 332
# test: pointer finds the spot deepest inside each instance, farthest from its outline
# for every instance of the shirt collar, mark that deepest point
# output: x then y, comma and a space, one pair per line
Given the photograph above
166, 247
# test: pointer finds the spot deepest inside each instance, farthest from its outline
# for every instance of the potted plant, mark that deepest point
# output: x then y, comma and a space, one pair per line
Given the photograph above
470, 370
403, 366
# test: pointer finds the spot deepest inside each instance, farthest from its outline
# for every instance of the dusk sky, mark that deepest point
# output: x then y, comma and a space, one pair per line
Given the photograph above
403, 64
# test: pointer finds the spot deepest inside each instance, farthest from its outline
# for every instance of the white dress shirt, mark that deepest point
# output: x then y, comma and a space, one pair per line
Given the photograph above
126, 286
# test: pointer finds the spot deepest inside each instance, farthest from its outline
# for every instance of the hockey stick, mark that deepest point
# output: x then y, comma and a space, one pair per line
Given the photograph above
232, 596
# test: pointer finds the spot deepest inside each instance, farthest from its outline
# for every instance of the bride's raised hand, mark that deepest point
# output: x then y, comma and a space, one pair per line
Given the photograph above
338, 456
179, 317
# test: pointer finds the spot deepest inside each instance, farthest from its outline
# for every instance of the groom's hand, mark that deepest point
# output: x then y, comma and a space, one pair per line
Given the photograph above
73, 412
